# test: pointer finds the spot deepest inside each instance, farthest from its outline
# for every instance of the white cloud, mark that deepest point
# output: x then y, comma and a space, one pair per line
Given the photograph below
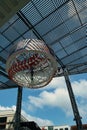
8, 108
58, 97
38, 120
55, 83
80, 88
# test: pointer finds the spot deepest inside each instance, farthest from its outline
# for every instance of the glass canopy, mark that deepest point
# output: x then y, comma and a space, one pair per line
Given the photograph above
60, 24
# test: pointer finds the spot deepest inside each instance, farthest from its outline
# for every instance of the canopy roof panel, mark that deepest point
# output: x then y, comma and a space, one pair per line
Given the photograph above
60, 24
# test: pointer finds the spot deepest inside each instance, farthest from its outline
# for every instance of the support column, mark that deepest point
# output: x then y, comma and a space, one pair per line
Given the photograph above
77, 117
18, 110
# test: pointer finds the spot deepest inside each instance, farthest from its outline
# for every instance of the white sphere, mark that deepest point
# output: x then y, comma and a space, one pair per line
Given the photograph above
30, 64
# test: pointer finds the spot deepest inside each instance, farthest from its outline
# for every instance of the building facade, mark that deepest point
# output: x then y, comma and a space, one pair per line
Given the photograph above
7, 118
7, 121
63, 127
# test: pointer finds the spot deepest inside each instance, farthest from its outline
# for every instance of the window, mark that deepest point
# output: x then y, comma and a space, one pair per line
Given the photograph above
66, 128
56, 129
3, 122
61, 128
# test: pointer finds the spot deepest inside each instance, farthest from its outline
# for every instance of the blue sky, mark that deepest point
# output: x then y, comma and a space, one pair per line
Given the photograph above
50, 105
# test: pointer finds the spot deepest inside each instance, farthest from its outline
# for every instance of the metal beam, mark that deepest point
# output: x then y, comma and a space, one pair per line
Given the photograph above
28, 24
3, 60
2, 68
5, 86
2, 73
18, 110
77, 116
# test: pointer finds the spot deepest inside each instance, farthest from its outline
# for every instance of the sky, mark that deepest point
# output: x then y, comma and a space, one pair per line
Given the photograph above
50, 105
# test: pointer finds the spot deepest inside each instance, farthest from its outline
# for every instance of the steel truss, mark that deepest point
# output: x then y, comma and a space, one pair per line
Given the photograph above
77, 116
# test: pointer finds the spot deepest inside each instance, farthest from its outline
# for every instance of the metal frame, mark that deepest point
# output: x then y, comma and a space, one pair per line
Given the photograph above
18, 110
77, 116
